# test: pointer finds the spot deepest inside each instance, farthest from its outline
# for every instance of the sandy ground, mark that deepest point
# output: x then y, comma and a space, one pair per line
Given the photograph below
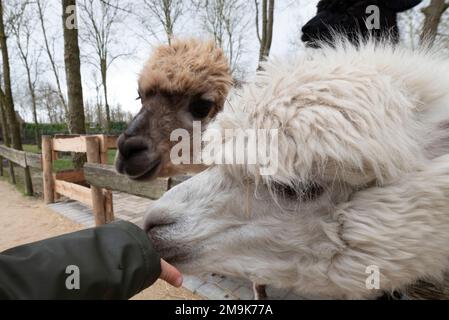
24, 220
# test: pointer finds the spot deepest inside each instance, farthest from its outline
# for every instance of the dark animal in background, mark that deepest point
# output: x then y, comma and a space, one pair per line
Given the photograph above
348, 17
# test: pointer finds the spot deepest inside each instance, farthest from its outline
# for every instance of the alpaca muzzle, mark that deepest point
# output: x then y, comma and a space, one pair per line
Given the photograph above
136, 159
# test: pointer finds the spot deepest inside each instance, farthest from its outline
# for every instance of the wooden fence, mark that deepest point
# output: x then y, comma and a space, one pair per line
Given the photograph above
91, 185
71, 183
26, 160
105, 176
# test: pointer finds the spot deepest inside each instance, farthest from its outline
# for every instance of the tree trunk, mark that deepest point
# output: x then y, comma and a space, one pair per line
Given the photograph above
9, 103
5, 133
33, 105
168, 23
3, 121
264, 29
104, 71
73, 76
37, 135
432, 14
49, 113
267, 30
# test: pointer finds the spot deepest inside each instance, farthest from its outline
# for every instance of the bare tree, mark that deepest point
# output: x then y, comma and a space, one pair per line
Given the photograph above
8, 101
432, 17
22, 26
48, 98
226, 21
101, 21
98, 101
73, 73
50, 54
4, 121
120, 115
264, 28
164, 12
5, 134
8, 98
88, 111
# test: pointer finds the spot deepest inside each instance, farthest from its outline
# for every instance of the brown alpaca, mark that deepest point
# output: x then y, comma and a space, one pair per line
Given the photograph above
186, 81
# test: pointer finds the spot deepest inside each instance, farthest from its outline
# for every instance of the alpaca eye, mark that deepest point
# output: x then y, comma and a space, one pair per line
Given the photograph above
200, 108
301, 192
149, 93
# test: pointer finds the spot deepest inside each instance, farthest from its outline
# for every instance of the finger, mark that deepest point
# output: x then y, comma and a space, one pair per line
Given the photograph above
170, 274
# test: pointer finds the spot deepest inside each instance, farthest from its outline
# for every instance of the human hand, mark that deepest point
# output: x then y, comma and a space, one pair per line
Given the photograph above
170, 274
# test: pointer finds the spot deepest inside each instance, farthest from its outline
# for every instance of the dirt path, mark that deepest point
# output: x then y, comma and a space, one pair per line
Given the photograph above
24, 220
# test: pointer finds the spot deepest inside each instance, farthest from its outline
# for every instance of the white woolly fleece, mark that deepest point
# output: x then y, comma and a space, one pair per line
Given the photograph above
350, 113
370, 125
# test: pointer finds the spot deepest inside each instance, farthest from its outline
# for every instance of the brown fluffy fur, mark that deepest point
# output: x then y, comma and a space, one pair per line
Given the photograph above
188, 66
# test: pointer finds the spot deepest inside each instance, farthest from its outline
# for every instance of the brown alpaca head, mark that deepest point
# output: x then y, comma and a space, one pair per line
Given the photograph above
180, 83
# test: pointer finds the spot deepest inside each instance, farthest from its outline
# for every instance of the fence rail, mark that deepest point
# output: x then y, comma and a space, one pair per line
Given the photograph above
70, 183
101, 177
16, 156
26, 160
21, 158
34, 160
105, 176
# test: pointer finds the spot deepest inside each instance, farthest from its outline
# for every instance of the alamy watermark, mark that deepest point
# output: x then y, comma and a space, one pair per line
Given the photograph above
259, 147
72, 282
372, 22
372, 282
71, 22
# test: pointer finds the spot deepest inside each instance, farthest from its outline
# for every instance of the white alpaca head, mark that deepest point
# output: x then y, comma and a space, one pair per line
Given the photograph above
362, 178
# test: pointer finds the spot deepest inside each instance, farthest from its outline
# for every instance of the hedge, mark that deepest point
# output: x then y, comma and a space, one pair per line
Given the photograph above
61, 128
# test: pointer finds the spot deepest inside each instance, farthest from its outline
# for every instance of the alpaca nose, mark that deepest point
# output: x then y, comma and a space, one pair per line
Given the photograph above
130, 146
306, 28
309, 32
139, 125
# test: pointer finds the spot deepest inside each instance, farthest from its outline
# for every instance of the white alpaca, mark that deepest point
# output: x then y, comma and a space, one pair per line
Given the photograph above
366, 129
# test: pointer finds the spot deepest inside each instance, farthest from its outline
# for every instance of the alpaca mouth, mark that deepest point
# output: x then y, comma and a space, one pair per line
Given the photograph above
138, 168
149, 173
169, 250
174, 256
310, 41
305, 38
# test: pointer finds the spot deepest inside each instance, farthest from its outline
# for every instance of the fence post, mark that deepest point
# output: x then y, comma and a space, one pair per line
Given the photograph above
28, 181
108, 206
12, 177
47, 168
108, 202
103, 149
98, 202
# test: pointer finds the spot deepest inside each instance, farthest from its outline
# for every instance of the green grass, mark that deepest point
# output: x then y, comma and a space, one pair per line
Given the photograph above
65, 162
18, 174
31, 148
111, 156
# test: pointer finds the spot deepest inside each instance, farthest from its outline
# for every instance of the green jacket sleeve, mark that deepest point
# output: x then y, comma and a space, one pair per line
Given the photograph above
114, 261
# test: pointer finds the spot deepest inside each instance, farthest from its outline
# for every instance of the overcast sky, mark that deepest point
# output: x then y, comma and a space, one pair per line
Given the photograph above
290, 15
123, 77
123, 74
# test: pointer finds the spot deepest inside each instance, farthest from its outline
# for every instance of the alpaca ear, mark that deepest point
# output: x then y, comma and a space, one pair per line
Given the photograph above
402, 5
